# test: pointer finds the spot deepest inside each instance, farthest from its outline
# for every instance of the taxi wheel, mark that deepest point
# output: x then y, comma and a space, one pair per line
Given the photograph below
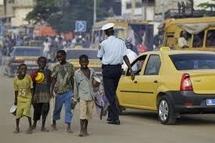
166, 112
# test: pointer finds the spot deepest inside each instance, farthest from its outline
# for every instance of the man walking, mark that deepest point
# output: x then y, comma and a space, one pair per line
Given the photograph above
112, 51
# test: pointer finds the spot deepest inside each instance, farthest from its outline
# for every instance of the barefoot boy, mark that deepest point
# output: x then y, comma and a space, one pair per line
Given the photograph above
41, 96
83, 91
23, 95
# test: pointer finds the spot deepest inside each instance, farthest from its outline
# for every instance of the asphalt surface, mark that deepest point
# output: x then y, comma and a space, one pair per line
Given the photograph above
136, 127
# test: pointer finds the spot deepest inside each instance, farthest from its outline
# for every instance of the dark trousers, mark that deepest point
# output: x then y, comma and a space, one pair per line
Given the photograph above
111, 75
40, 109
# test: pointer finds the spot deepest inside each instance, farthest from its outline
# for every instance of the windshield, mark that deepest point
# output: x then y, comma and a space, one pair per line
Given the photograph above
27, 52
193, 61
75, 54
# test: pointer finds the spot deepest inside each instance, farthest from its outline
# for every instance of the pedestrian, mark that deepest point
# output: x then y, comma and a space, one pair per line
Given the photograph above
182, 42
46, 48
112, 52
62, 86
83, 91
23, 95
41, 94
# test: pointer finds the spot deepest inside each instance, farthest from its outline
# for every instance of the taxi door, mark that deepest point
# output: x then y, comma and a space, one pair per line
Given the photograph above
149, 82
129, 90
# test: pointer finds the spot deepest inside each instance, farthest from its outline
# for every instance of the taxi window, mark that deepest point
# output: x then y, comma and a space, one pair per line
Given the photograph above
137, 65
193, 61
198, 40
153, 65
210, 42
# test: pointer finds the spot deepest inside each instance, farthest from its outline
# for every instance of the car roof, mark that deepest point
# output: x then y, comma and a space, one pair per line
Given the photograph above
174, 52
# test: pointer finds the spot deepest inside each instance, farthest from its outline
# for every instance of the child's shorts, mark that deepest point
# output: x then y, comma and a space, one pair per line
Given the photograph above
23, 109
86, 109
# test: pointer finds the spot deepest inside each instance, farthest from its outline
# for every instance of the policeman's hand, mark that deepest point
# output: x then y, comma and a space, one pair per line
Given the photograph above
132, 75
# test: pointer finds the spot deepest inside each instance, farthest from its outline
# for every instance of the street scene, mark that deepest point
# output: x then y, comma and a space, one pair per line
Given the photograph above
107, 71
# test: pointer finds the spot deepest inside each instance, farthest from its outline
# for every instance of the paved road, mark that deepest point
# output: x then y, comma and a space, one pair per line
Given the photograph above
137, 127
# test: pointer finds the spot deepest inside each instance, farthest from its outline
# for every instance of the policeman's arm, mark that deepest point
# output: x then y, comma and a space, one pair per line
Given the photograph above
125, 58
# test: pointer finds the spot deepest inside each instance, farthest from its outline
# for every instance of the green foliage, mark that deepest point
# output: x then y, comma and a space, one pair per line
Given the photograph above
62, 14
208, 5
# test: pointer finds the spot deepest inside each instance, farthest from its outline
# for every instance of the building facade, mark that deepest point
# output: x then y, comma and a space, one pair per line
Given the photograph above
149, 9
21, 8
143, 8
15, 11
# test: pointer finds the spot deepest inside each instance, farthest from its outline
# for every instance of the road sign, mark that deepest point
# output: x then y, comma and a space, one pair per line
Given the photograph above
80, 26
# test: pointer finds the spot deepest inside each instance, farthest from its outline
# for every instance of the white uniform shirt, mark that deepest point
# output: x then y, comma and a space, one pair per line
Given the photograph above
131, 56
112, 51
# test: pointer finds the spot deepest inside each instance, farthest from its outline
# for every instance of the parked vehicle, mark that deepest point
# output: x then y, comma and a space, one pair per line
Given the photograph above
23, 54
135, 30
170, 82
199, 33
74, 54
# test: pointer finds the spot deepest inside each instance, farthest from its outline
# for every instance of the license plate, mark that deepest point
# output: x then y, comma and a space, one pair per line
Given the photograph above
210, 102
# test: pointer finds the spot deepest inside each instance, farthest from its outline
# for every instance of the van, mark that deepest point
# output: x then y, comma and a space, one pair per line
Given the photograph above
199, 33
134, 30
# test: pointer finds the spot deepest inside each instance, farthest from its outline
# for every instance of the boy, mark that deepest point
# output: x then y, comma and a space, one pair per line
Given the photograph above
62, 85
83, 91
41, 94
23, 95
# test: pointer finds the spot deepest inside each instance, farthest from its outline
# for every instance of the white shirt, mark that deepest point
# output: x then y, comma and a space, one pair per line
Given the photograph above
182, 42
131, 56
112, 50
46, 46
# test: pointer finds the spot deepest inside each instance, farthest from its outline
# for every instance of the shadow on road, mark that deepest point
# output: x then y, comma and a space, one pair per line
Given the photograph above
141, 114
198, 119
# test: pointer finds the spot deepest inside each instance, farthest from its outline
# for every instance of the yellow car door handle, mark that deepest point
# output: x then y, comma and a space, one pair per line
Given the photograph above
155, 81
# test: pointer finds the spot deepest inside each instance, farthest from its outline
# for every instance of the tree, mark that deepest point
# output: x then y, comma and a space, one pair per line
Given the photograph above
208, 5
62, 14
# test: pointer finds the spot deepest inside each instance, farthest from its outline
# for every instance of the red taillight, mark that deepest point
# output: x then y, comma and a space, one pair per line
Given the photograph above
186, 84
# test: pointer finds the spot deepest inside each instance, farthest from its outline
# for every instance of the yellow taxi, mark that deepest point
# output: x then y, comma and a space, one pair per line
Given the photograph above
73, 55
170, 82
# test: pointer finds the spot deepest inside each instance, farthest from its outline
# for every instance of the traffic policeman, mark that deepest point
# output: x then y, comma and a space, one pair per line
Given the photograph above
112, 52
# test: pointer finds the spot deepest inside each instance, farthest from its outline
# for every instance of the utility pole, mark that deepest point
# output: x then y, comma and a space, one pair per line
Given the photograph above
163, 11
94, 11
5, 7
144, 6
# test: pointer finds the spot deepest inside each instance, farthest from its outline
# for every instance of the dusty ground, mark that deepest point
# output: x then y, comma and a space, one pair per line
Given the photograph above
136, 127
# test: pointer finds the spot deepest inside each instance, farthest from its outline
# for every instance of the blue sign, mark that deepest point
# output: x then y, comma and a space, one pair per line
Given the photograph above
80, 26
